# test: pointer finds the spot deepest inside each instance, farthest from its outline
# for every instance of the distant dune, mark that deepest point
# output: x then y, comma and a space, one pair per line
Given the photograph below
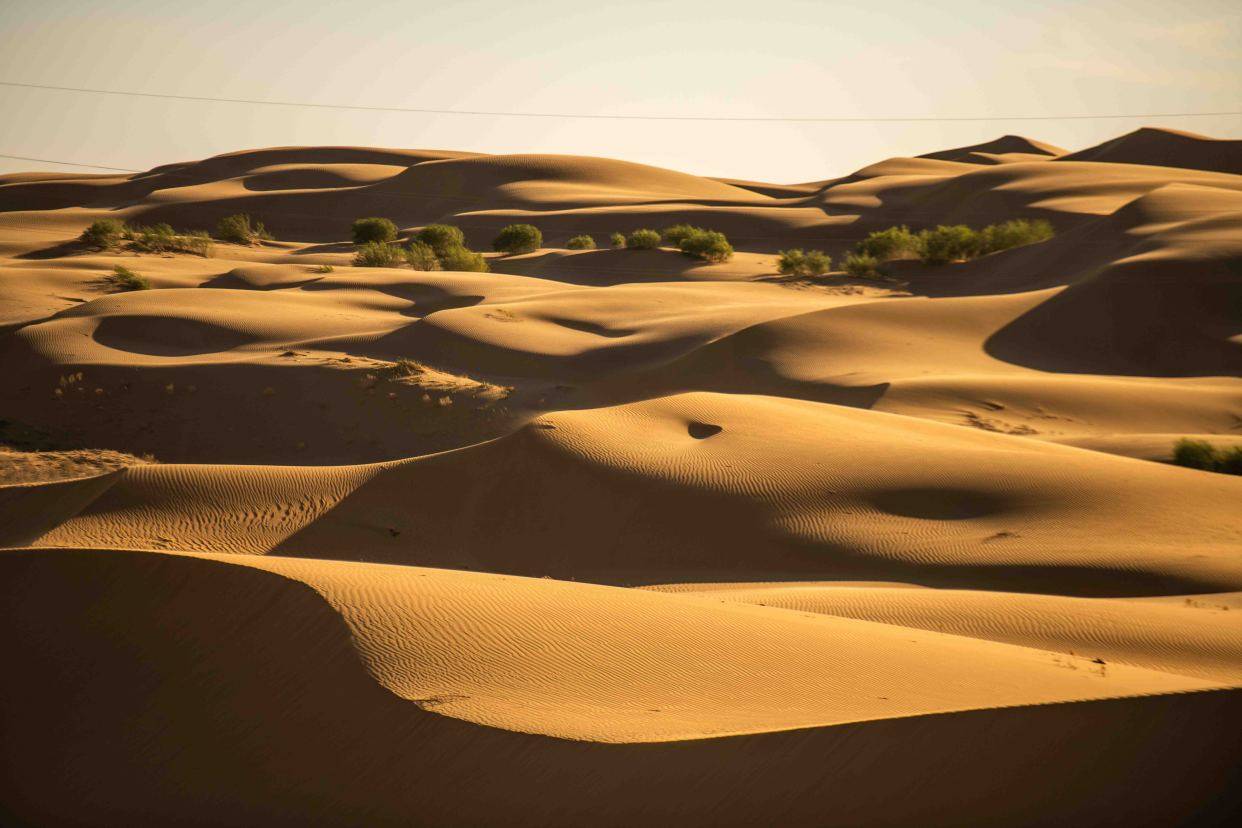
620, 537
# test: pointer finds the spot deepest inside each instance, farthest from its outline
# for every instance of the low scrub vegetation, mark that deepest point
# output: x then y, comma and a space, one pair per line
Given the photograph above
162, 238
103, 234
617, 240
241, 229
644, 239
997, 237
803, 263
378, 254
893, 243
323, 268
675, 234
441, 237
1200, 454
122, 278
861, 266
518, 238
708, 245
420, 256
583, 242
950, 242
374, 230
462, 258
434, 247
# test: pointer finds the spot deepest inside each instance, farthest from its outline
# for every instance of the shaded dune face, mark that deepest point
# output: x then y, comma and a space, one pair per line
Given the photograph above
620, 537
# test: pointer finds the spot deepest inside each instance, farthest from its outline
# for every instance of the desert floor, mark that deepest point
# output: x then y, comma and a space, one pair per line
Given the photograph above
635, 540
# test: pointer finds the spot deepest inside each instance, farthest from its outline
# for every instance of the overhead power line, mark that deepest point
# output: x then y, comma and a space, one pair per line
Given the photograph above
617, 117
70, 163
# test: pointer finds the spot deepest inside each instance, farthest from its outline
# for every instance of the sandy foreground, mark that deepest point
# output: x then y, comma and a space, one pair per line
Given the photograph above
636, 540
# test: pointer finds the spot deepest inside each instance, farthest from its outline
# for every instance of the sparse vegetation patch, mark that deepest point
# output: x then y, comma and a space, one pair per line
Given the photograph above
1200, 454
241, 229
644, 239
122, 278
374, 230
518, 238
803, 263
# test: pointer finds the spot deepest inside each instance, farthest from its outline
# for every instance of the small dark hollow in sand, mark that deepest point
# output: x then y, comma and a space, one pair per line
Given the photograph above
701, 431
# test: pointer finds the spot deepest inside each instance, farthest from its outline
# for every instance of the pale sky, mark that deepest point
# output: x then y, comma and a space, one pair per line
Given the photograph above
744, 58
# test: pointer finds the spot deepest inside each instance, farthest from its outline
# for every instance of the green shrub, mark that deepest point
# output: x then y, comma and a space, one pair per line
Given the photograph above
803, 263
461, 258
374, 230
162, 238
420, 256
1015, 233
518, 238
948, 243
241, 229
617, 240
675, 234
708, 245
378, 254
789, 262
583, 242
1230, 461
441, 237
122, 278
104, 233
643, 240
323, 268
888, 244
1200, 454
861, 266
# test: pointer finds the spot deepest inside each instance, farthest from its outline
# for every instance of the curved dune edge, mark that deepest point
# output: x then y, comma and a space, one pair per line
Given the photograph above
579, 661
701, 486
217, 695
1198, 637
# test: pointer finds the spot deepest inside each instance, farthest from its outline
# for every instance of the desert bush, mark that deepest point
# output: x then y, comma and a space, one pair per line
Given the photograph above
644, 239
162, 238
674, 234
518, 238
197, 242
441, 237
948, 243
122, 278
799, 262
462, 258
1230, 461
861, 266
323, 268
373, 230
420, 256
583, 242
104, 233
888, 244
1015, 233
617, 239
708, 245
1200, 454
241, 229
789, 262
378, 254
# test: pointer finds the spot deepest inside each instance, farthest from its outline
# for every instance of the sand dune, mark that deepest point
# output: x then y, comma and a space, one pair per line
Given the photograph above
619, 537
1166, 148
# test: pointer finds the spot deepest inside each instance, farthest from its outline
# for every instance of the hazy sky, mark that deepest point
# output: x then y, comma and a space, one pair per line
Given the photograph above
785, 58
